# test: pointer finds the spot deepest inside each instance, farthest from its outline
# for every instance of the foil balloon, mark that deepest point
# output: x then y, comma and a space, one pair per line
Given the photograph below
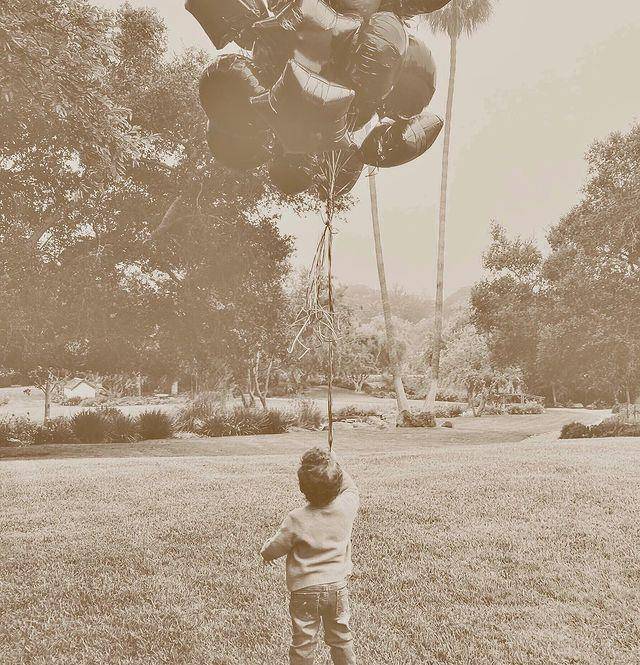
308, 31
396, 142
292, 174
226, 89
410, 8
416, 82
362, 8
339, 171
360, 114
225, 21
307, 112
268, 61
238, 152
376, 56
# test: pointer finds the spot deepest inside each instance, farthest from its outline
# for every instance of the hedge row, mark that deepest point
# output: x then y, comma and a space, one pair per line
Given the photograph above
607, 428
100, 426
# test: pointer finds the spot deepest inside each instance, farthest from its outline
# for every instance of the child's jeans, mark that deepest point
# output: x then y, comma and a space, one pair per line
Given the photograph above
327, 604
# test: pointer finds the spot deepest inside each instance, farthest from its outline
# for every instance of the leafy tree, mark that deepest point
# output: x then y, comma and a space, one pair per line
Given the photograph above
466, 363
590, 338
505, 304
122, 248
455, 19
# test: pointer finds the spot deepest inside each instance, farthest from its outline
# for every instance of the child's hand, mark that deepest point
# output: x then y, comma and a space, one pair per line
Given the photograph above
270, 564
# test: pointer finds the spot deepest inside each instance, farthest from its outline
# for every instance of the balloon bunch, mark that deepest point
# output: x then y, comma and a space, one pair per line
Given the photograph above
317, 73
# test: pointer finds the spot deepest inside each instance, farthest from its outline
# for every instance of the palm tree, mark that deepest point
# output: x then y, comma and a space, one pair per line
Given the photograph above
455, 19
394, 361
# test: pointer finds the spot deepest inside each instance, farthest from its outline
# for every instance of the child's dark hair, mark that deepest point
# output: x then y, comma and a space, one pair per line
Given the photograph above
320, 477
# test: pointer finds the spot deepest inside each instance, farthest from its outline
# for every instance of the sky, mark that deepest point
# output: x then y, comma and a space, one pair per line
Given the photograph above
535, 87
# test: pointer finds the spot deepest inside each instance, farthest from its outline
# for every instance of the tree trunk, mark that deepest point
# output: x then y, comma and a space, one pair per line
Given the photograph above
401, 397
139, 385
553, 394
626, 389
252, 397
47, 401
437, 324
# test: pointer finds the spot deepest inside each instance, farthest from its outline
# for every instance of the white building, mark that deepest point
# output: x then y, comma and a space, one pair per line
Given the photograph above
80, 388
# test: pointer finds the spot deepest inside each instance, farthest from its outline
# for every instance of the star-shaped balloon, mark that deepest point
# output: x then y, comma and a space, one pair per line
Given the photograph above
307, 112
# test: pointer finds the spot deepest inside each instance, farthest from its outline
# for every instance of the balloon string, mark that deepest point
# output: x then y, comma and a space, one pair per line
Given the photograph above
329, 225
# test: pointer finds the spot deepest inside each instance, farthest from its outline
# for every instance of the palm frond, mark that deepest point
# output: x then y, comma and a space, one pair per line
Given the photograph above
460, 16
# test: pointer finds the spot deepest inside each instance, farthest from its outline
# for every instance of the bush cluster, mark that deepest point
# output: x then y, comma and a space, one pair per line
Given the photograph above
449, 411
244, 421
416, 419
528, 408
88, 426
355, 413
607, 428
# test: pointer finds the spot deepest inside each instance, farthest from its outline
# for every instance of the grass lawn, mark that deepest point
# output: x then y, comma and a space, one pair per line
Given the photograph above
466, 554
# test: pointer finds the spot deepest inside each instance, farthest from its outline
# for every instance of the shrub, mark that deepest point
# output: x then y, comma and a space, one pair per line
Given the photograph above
245, 421
55, 431
525, 409
155, 424
277, 422
202, 407
4, 401
416, 419
71, 401
452, 411
307, 414
14, 430
575, 431
120, 427
90, 426
355, 413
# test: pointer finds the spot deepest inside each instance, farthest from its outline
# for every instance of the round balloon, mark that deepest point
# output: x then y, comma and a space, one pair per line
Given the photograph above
226, 89
239, 152
308, 31
416, 82
307, 112
374, 62
292, 174
396, 142
362, 8
339, 171
225, 20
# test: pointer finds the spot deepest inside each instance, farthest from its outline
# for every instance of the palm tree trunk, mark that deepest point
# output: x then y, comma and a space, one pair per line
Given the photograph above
437, 327
401, 397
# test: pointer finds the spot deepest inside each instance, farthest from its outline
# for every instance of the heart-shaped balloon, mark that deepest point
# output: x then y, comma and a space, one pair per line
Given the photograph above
362, 8
374, 62
411, 8
225, 20
239, 152
292, 174
416, 82
226, 89
396, 142
308, 31
307, 112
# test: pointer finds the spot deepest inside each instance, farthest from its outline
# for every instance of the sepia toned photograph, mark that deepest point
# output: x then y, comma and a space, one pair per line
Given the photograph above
319, 332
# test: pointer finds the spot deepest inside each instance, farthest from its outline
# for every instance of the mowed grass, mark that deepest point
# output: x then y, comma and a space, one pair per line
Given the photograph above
483, 554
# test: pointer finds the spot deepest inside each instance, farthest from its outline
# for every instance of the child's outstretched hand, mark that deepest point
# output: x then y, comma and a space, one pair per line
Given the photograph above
268, 564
